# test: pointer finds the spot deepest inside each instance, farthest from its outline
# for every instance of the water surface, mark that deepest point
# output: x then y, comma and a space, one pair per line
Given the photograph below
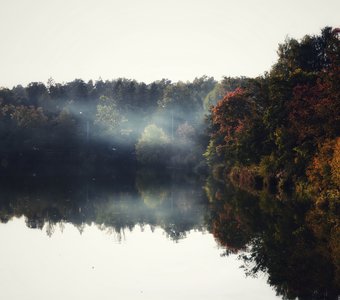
156, 236
94, 264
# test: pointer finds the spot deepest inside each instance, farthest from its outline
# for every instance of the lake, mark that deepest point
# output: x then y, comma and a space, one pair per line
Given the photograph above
148, 237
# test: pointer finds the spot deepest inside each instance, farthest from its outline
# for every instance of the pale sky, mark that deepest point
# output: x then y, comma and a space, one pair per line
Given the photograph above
149, 40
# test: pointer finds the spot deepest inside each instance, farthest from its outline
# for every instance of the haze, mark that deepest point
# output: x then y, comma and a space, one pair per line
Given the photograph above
151, 39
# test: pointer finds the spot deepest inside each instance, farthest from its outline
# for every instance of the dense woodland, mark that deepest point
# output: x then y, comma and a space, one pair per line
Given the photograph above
106, 124
269, 146
284, 126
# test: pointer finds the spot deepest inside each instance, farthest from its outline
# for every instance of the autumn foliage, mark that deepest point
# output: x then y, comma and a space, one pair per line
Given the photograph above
313, 109
278, 123
230, 114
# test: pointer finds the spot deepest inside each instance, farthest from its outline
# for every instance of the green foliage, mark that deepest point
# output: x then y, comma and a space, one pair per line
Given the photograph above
186, 99
108, 115
103, 120
210, 154
25, 116
153, 146
154, 135
213, 96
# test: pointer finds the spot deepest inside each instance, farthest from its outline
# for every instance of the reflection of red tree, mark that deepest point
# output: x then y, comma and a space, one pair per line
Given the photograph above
228, 229
324, 177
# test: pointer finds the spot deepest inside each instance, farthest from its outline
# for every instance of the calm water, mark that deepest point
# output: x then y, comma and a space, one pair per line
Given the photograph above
94, 265
149, 237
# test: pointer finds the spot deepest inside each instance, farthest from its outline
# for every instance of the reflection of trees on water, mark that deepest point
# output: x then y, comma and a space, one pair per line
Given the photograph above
278, 237
175, 205
275, 237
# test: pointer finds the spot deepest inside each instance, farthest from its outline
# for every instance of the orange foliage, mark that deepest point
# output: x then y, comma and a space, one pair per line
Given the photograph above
323, 172
335, 163
228, 229
313, 110
324, 177
244, 178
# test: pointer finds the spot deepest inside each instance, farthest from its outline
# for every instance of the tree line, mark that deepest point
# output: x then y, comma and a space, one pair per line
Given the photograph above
119, 121
281, 131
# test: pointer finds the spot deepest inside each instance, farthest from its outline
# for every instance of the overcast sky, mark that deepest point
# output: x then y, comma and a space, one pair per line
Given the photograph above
150, 39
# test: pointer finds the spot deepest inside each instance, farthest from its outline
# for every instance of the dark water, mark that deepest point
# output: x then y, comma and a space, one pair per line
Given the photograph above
155, 236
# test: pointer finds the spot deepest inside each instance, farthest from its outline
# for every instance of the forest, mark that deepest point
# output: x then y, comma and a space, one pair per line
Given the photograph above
282, 130
266, 150
104, 124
